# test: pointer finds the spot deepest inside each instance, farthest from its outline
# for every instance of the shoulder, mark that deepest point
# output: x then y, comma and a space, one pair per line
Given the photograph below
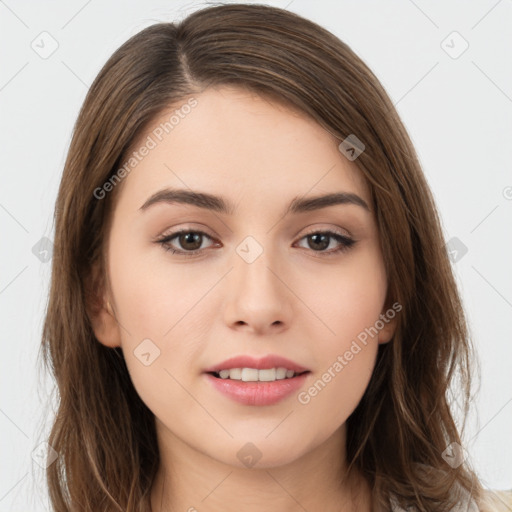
495, 501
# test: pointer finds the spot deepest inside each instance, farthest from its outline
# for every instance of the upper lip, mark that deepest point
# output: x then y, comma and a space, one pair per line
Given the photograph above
245, 361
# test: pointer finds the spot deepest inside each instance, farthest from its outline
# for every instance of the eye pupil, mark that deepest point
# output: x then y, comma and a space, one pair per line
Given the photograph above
190, 238
317, 239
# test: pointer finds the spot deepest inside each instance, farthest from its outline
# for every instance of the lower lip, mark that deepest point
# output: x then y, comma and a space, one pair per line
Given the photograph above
257, 393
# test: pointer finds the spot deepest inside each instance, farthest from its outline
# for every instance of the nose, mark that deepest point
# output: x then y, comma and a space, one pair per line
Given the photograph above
258, 297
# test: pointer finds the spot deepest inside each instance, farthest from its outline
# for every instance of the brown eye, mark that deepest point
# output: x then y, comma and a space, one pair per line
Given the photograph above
189, 242
319, 241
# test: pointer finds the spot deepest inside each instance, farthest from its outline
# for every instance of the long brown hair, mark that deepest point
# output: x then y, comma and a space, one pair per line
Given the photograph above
103, 432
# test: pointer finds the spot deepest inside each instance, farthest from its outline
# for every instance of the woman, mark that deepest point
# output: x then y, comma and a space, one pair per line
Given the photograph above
297, 356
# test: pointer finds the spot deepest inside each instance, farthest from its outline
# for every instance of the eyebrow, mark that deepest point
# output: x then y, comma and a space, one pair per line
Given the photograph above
221, 205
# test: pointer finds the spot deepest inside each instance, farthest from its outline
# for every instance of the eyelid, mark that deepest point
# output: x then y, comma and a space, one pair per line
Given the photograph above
344, 233
184, 229
315, 229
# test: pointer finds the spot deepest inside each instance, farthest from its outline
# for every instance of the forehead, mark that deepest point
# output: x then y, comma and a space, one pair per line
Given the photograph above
240, 145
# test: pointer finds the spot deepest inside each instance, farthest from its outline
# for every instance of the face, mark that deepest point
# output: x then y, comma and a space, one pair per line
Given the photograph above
271, 273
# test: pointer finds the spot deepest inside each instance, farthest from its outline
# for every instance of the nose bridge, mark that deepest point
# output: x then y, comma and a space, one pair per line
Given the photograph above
253, 263
257, 293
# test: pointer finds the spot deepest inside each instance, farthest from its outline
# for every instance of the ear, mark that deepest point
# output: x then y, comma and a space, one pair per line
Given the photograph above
389, 318
100, 311
386, 333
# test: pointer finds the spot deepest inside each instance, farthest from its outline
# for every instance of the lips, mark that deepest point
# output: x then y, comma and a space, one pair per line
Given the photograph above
257, 393
263, 363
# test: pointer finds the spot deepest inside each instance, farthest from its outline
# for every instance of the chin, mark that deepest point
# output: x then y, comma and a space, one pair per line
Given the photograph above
261, 453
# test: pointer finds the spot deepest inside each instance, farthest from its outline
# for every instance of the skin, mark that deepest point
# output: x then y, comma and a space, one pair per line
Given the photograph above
293, 300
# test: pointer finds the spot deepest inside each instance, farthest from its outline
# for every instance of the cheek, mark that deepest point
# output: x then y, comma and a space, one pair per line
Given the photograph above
349, 300
154, 296
345, 362
157, 307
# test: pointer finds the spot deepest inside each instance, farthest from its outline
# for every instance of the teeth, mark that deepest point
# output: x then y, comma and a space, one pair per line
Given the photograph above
281, 373
253, 375
267, 375
236, 373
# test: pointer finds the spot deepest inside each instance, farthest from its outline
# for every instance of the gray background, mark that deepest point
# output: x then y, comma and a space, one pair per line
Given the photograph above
456, 106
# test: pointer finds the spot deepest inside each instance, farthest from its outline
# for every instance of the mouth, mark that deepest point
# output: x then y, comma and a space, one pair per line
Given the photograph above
252, 380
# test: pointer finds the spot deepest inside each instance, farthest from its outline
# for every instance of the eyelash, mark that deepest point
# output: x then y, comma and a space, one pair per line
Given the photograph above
345, 242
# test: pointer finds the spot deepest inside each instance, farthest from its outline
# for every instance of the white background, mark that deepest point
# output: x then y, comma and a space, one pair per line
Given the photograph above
458, 113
